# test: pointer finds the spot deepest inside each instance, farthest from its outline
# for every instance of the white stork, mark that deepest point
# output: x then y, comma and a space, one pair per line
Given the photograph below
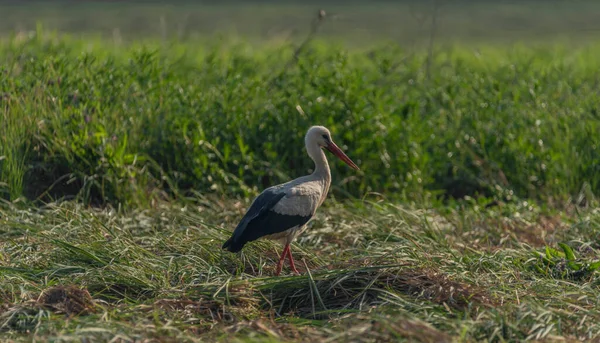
281, 212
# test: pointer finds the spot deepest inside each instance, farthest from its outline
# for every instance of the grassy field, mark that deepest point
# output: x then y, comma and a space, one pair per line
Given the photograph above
125, 165
378, 272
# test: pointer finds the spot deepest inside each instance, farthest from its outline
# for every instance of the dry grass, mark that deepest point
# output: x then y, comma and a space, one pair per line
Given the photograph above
388, 328
69, 300
438, 287
378, 273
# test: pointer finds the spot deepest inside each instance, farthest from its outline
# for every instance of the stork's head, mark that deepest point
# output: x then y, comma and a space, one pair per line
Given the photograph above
320, 136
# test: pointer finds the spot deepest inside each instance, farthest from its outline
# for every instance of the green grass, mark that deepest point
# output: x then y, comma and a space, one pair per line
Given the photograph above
377, 271
125, 166
132, 124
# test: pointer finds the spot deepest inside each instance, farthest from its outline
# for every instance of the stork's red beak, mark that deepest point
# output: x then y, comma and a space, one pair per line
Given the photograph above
340, 154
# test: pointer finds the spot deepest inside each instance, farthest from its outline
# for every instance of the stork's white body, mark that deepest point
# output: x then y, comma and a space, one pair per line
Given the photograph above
303, 196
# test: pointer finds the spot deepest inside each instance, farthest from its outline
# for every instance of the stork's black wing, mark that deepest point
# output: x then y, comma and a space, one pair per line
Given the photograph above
260, 220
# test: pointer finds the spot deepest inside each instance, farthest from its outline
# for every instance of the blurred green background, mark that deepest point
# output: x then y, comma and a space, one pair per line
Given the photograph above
358, 22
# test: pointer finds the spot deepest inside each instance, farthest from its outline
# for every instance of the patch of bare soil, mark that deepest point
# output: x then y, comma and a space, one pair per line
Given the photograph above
69, 300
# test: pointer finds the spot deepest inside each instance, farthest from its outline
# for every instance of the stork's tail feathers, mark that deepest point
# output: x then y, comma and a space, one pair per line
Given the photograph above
231, 245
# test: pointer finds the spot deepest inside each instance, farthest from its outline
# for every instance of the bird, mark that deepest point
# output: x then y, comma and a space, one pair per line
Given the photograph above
281, 212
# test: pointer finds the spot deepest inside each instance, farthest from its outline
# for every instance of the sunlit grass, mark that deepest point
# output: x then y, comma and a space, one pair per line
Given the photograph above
132, 124
472, 218
402, 270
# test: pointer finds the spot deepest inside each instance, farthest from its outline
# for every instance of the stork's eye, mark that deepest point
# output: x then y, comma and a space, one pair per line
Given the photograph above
325, 137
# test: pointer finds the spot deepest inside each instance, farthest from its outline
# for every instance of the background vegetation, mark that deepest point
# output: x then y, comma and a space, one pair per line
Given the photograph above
133, 136
353, 22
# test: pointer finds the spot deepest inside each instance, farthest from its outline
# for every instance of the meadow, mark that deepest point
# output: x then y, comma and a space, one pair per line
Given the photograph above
125, 162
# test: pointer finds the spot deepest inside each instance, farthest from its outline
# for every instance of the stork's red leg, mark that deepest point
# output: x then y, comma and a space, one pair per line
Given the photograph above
281, 259
289, 254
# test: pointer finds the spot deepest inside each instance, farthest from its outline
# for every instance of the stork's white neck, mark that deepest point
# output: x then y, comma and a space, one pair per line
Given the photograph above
318, 156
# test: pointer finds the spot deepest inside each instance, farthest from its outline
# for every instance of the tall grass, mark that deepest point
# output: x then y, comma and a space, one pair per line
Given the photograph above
13, 151
128, 124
